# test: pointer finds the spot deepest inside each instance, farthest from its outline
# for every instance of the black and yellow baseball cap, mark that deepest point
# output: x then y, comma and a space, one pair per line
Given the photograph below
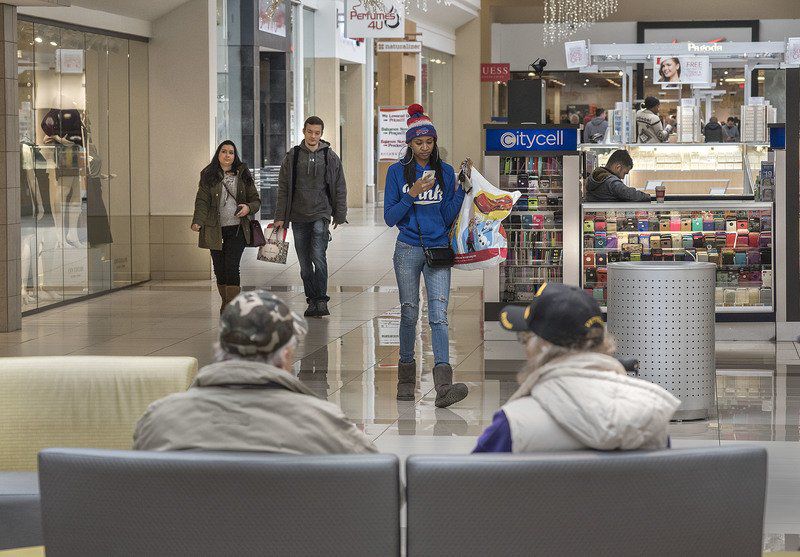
559, 314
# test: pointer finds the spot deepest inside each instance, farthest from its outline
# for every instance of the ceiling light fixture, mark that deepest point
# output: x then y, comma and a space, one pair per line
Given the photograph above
38, 40
53, 43
564, 18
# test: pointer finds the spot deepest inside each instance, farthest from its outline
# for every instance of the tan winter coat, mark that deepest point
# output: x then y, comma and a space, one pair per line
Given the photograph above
586, 401
239, 405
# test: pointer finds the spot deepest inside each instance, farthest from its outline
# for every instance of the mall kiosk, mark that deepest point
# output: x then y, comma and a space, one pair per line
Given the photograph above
714, 208
542, 162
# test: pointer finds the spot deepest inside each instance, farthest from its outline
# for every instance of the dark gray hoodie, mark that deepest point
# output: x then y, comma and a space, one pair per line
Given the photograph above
319, 192
602, 185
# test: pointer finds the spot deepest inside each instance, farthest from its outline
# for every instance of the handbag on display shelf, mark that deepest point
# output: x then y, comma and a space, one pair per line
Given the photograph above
275, 248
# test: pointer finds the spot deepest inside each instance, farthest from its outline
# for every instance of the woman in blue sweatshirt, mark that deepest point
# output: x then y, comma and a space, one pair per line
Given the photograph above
423, 208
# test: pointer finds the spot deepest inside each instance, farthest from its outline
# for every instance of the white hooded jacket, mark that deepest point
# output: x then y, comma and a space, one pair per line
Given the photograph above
587, 401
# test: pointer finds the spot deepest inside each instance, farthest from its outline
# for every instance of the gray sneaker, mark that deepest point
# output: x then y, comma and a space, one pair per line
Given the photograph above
322, 309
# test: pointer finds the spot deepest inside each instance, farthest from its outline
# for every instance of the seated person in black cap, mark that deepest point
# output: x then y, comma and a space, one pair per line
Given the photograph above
605, 183
573, 393
250, 400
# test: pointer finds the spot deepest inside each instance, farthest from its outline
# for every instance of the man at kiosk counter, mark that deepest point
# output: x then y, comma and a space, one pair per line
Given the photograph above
605, 183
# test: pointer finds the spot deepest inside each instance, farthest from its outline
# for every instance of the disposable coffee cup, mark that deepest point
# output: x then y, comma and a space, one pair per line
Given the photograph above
661, 192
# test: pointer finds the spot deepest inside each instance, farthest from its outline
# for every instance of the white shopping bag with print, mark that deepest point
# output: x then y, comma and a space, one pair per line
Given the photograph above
276, 249
477, 236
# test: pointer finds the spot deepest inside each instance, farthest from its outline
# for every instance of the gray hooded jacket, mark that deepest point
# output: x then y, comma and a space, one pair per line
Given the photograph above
602, 185
239, 405
320, 190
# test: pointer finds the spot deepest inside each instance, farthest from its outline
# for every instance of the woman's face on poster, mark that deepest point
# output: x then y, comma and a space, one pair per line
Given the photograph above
670, 70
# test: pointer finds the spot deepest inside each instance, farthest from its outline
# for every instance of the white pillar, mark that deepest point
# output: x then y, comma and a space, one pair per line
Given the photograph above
298, 68
369, 128
418, 82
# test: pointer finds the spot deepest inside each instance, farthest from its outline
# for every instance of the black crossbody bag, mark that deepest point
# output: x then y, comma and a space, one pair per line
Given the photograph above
435, 257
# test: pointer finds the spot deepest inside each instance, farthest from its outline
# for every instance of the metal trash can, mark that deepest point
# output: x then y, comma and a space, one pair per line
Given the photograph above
662, 313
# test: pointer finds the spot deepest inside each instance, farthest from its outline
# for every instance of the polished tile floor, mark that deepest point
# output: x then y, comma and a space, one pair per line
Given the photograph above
350, 358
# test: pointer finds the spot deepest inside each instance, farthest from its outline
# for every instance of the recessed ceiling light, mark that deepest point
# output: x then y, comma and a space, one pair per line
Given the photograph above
620, 73
38, 39
531, 74
726, 72
53, 43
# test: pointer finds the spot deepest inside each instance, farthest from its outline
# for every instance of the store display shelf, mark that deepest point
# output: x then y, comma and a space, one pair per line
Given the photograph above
668, 232
552, 209
698, 206
532, 264
518, 229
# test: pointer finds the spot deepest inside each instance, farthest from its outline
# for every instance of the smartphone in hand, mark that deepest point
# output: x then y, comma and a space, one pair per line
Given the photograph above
429, 175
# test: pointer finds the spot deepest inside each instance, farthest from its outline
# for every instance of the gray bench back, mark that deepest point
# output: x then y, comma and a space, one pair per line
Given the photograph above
100, 503
673, 502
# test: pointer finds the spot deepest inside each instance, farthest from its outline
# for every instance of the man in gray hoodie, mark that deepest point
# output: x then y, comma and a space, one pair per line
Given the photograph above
250, 400
605, 183
312, 192
595, 130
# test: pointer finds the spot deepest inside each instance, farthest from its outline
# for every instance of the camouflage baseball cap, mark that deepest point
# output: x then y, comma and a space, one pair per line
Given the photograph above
258, 322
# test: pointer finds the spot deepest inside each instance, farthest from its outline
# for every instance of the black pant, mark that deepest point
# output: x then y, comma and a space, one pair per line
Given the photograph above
226, 261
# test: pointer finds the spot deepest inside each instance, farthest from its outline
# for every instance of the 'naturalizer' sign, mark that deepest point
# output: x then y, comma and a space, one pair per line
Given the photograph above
706, 47
412, 47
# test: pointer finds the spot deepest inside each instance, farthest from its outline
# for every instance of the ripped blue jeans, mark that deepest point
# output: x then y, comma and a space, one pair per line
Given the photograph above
409, 264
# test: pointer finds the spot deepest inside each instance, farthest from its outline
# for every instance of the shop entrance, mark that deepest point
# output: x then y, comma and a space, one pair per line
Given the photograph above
274, 107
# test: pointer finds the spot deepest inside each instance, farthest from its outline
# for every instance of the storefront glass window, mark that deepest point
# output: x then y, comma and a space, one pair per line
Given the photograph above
437, 95
223, 97
76, 146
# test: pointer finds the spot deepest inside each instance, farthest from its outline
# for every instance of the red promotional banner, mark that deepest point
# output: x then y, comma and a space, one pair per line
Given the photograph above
495, 72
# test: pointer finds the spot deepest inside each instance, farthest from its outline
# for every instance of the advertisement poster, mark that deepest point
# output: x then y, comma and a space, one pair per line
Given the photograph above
577, 53
392, 129
793, 51
678, 70
69, 60
275, 25
361, 23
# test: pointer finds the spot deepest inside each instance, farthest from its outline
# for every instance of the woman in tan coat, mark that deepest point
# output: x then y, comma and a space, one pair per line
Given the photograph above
226, 195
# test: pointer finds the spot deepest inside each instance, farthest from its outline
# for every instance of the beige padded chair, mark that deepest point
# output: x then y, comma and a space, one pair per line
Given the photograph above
79, 401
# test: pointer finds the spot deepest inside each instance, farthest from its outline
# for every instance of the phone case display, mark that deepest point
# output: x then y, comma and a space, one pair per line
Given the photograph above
535, 226
737, 239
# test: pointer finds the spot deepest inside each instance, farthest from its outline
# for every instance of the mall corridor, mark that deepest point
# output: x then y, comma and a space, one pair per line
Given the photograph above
351, 359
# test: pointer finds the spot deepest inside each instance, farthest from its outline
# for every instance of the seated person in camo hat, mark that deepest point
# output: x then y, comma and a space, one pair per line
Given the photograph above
250, 400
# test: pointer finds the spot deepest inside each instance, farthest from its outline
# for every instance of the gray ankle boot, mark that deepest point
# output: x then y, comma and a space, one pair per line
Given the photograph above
447, 392
406, 380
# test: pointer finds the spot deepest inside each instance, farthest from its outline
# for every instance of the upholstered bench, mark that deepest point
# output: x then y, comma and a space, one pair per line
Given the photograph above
69, 401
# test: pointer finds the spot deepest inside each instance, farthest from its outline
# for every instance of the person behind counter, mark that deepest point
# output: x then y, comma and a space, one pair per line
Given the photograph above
605, 183
648, 124
730, 131
713, 131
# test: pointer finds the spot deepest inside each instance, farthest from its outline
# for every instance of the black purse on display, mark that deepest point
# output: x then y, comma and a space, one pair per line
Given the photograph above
435, 257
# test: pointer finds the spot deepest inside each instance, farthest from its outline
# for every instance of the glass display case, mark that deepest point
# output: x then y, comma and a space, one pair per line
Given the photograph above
535, 226
720, 169
735, 235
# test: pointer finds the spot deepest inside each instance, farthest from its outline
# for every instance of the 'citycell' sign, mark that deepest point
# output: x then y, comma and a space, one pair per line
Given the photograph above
386, 23
512, 139
495, 72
